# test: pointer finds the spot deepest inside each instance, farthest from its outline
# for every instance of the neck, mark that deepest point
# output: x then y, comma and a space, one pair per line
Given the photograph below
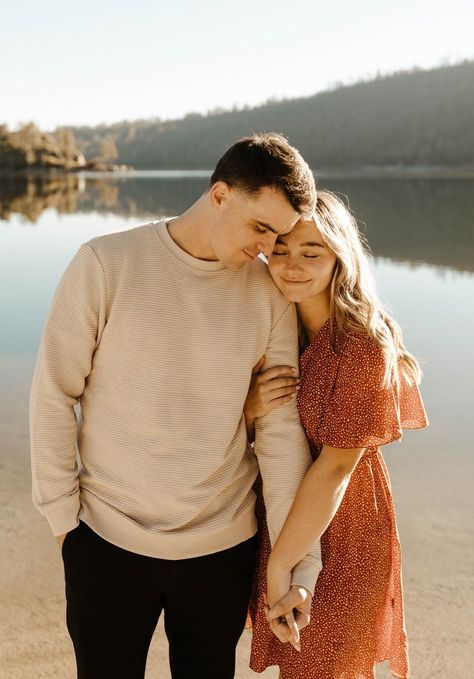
191, 231
314, 312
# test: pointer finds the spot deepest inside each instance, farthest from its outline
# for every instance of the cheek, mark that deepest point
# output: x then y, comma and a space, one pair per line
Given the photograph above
275, 267
233, 241
321, 272
327, 270
330, 269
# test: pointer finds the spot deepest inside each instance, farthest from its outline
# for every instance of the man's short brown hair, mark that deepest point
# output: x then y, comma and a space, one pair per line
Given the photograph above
268, 159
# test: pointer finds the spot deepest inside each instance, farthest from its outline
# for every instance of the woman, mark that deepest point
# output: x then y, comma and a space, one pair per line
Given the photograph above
357, 389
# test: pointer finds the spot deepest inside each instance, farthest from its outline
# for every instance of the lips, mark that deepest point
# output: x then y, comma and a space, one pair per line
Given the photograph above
294, 282
251, 257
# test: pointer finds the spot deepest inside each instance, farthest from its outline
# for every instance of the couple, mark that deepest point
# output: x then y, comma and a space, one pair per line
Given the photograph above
180, 346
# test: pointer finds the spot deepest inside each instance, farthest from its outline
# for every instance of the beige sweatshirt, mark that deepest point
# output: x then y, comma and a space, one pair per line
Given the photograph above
157, 348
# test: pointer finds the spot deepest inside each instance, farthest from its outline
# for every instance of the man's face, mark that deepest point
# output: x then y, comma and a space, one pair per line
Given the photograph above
246, 225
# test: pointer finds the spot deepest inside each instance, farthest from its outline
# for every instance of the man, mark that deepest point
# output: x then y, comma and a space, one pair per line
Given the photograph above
154, 332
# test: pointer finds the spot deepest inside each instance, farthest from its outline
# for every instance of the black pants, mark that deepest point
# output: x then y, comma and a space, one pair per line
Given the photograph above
115, 598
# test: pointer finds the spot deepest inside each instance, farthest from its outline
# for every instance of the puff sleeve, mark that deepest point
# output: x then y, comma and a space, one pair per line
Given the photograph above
361, 412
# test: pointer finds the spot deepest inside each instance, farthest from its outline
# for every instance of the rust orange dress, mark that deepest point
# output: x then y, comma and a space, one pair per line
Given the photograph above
357, 615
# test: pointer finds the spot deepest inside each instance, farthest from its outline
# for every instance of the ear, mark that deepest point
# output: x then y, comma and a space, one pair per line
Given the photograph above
219, 193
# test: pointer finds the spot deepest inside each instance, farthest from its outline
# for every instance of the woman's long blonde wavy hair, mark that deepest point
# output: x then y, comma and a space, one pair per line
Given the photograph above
354, 304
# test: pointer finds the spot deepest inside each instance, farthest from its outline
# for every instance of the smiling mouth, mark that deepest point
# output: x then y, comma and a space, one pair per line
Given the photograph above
294, 282
251, 257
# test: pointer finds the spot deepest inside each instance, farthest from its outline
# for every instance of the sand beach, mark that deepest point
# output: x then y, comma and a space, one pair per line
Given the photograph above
436, 535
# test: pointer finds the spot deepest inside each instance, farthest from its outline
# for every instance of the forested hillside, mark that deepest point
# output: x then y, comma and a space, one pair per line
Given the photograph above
415, 118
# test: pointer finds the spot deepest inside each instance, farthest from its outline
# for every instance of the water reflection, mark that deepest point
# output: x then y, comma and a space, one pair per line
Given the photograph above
416, 220
141, 195
31, 195
412, 220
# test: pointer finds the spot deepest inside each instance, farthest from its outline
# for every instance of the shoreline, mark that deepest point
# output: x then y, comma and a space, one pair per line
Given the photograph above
373, 172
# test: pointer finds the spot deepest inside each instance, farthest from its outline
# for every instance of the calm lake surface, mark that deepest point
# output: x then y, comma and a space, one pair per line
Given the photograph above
421, 232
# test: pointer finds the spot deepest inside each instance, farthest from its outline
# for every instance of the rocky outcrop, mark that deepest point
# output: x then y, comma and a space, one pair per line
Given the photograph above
29, 148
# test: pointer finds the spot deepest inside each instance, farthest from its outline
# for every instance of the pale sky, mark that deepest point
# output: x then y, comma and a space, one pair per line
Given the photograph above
97, 61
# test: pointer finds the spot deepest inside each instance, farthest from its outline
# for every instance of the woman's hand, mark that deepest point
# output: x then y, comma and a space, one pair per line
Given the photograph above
284, 626
298, 600
268, 390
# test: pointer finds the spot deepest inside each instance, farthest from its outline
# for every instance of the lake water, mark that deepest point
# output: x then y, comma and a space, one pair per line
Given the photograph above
422, 236
421, 233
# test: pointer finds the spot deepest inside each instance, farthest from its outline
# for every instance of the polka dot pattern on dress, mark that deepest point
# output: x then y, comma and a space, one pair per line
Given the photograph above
357, 617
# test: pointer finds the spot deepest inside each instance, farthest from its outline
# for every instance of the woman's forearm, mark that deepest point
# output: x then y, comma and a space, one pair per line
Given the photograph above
316, 502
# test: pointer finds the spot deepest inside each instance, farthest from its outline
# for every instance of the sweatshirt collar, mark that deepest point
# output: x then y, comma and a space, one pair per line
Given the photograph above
201, 264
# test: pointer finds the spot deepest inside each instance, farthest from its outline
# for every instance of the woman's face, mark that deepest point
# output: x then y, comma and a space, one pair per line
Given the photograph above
301, 265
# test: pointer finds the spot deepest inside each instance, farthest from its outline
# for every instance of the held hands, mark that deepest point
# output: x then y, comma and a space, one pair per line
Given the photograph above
290, 609
298, 601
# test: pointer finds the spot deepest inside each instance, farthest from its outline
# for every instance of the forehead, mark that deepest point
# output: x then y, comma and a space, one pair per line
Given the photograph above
270, 206
305, 231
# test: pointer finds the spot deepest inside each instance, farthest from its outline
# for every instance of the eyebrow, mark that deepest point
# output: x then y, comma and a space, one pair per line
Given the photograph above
267, 226
309, 244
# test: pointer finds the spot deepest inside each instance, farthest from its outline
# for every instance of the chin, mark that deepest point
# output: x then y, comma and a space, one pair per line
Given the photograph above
235, 266
290, 295
293, 298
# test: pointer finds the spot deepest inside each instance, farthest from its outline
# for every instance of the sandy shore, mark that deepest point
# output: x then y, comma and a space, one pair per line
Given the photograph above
433, 505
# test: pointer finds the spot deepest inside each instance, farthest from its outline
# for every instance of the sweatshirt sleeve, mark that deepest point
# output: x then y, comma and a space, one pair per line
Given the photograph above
282, 449
71, 334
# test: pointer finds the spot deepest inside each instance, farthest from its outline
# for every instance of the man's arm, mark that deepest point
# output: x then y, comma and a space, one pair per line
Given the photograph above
72, 331
282, 449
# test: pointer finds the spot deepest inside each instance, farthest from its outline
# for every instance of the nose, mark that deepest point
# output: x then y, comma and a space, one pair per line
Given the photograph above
267, 244
293, 267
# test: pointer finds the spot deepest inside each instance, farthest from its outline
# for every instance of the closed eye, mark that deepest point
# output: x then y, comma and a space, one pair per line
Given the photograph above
311, 256
261, 229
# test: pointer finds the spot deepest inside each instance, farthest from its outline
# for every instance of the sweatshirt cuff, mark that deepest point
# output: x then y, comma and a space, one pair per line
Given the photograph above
63, 517
306, 572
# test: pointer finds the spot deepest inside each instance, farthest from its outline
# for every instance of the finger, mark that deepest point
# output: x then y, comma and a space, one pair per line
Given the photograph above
281, 631
283, 391
277, 403
258, 365
302, 619
278, 632
281, 382
294, 631
277, 371
294, 598
287, 631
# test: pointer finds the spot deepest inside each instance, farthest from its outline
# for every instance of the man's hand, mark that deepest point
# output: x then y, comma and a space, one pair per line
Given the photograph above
284, 625
60, 539
298, 601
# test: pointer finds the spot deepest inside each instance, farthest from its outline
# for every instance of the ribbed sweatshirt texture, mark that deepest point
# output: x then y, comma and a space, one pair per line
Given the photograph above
136, 403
